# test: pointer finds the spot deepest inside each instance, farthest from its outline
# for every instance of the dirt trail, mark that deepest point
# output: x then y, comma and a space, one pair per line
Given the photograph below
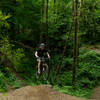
96, 93
43, 92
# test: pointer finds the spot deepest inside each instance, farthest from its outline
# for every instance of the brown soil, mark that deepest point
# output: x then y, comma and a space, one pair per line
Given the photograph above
43, 92
96, 93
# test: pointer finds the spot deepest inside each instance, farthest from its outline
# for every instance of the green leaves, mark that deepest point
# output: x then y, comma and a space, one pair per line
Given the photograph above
3, 19
79, 92
88, 74
90, 56
3, 87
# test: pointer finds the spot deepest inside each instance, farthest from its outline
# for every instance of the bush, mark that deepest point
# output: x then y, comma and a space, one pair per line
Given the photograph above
17, 57
13, 81
8, 79
87, 75
3, 87
64, 79
83, 93
90, 56
89, 69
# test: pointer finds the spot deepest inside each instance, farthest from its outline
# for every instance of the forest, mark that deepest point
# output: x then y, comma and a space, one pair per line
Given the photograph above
70, 29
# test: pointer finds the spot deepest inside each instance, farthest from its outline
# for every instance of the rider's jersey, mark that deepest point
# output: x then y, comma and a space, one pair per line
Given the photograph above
41, 53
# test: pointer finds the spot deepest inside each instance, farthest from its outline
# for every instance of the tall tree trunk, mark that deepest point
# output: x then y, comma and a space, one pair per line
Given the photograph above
93, 18
12, 25
79, 26
80, 15
54, 6
47, 22
54, 2
75, 58
41, 27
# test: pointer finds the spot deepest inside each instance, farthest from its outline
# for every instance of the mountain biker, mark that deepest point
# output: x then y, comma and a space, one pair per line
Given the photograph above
40, 52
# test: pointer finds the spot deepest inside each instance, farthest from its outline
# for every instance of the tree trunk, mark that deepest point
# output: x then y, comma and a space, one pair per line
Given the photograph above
54, 2
54, 6
80, 15
79, 26
93, 18
75, 58
41, 27
47, 22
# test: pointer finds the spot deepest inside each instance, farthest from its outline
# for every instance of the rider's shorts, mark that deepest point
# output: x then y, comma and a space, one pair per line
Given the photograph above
38, 59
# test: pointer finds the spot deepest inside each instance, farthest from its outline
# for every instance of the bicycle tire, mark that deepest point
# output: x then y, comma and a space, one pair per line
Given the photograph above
45, 71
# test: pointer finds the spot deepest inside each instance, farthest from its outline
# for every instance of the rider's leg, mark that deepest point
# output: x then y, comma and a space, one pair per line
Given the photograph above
39, 64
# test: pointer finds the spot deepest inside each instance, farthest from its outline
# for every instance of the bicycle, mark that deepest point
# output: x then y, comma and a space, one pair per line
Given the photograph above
44, 69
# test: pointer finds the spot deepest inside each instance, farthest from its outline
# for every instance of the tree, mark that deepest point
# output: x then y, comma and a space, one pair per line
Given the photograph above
41, 31
75, 58
47, 22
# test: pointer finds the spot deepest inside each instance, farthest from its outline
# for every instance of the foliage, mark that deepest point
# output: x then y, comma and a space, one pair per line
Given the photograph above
8, 79
88, 75
16, 56
12, 80
20, 28
83, 93
3, 87
89, 70
3, 19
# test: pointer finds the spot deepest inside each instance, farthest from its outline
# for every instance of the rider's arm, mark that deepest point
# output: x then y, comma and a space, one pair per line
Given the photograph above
48, 55
36, 54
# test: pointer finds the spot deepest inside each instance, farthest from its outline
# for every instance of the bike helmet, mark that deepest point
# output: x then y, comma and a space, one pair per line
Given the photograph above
42, 45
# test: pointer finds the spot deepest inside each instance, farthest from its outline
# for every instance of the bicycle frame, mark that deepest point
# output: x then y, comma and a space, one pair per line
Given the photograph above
42, 68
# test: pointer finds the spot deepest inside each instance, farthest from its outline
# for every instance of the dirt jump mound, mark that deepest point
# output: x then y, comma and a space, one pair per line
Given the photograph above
43, 92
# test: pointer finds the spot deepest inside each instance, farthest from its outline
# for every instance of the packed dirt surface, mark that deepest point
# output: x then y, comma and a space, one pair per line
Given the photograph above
43, 92
96, 93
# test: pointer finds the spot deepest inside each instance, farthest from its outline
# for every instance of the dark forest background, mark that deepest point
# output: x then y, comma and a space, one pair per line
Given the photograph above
71, 31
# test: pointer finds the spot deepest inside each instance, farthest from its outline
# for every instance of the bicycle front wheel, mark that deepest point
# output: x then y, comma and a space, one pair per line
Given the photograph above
45, 71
